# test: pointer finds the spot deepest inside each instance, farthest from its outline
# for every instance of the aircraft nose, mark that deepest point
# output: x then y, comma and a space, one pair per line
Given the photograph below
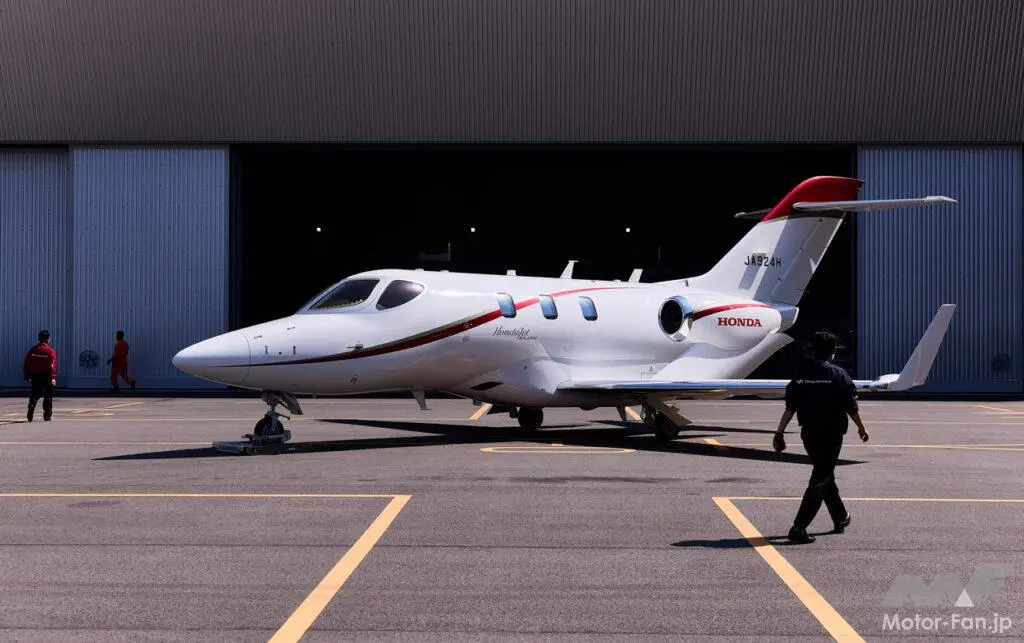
224, 358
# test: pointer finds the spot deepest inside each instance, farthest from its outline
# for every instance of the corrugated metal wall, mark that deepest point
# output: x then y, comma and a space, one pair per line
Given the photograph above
875, 71
150, 256
35, 243
911, 261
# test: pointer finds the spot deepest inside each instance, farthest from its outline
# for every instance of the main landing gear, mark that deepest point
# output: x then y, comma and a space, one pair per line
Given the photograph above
530, 419
665, 428
269, 430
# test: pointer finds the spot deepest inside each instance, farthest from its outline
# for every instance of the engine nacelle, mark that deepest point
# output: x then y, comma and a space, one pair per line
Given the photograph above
728, 327
676, 318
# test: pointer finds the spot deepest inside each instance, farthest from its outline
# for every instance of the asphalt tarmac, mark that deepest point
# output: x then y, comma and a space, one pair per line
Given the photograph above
118, 521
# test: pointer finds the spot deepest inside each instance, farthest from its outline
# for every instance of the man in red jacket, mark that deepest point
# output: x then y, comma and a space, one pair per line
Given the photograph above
40, 369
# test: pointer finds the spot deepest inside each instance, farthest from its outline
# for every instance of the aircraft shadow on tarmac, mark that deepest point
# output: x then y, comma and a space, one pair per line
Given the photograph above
616, 435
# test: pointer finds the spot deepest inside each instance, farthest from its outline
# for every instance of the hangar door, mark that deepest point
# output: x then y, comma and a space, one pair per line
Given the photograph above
912, 261
35, 242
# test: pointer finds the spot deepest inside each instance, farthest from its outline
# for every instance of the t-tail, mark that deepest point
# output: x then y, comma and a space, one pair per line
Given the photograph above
775, 260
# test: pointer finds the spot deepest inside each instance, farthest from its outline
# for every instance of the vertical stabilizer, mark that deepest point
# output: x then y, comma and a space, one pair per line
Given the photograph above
776, 259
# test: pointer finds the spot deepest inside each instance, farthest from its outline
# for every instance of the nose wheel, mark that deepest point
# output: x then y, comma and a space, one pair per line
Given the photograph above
269, 430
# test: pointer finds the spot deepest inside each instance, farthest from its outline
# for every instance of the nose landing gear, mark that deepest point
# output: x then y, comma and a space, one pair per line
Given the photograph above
269, 430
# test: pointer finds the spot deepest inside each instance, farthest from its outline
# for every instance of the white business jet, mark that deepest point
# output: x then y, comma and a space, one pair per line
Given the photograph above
531, 342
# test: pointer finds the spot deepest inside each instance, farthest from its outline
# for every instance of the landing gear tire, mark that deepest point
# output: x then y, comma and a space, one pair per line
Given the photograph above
530, 419
665, 429
649, 415
270, 429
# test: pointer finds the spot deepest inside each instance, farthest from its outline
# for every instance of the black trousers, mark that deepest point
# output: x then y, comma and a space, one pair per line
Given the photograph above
823, 448
41, 388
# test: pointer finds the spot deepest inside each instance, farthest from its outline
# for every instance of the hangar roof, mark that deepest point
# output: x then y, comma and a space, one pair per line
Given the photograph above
512, 70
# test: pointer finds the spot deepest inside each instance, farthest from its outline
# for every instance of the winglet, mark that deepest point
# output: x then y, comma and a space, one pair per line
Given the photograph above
634, 277
916, 370
567, 273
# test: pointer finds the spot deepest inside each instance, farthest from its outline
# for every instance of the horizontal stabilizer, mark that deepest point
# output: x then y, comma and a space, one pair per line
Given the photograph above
914, 374
865, 205
754, 215
869, 204
916, 370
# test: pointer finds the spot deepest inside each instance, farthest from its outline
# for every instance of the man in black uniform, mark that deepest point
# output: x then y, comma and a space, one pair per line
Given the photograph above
821, 395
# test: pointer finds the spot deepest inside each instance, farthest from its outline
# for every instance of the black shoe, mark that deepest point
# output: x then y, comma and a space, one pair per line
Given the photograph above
842, 524
800, 536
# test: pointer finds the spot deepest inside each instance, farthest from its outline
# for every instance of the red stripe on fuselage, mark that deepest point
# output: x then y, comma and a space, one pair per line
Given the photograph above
721, 309
428, 337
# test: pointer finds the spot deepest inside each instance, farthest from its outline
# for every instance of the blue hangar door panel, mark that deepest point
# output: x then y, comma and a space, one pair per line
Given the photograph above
35, 247
911, 261
151, 257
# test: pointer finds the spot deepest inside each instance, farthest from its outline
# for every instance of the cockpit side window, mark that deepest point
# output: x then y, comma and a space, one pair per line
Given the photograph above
347, 293
397, 293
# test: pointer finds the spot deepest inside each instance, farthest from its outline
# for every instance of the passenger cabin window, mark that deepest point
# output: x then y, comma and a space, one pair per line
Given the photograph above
589, 309
507, 306
547, 304
397, 293
348, 293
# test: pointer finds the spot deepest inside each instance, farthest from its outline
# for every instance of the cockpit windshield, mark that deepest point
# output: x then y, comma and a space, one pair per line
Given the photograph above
347, 293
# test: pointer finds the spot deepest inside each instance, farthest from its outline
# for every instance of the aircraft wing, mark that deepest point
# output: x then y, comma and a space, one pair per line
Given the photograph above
914, 374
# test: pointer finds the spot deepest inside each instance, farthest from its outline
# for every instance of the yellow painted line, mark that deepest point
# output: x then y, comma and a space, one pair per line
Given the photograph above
110, 408
308, 611
163, 494
555, 449
633, 414
480, 412
78, 443
829, 618
993, 408
87, 418
715, 443
971, 421
965, 447
982, 500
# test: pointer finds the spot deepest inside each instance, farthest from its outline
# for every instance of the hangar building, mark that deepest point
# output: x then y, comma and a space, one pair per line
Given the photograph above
181, 168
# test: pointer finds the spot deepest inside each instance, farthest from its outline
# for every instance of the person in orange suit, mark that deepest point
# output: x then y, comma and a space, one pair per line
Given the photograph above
118, 362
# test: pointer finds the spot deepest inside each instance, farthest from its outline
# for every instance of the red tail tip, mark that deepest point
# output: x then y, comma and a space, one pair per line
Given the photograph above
816, 189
